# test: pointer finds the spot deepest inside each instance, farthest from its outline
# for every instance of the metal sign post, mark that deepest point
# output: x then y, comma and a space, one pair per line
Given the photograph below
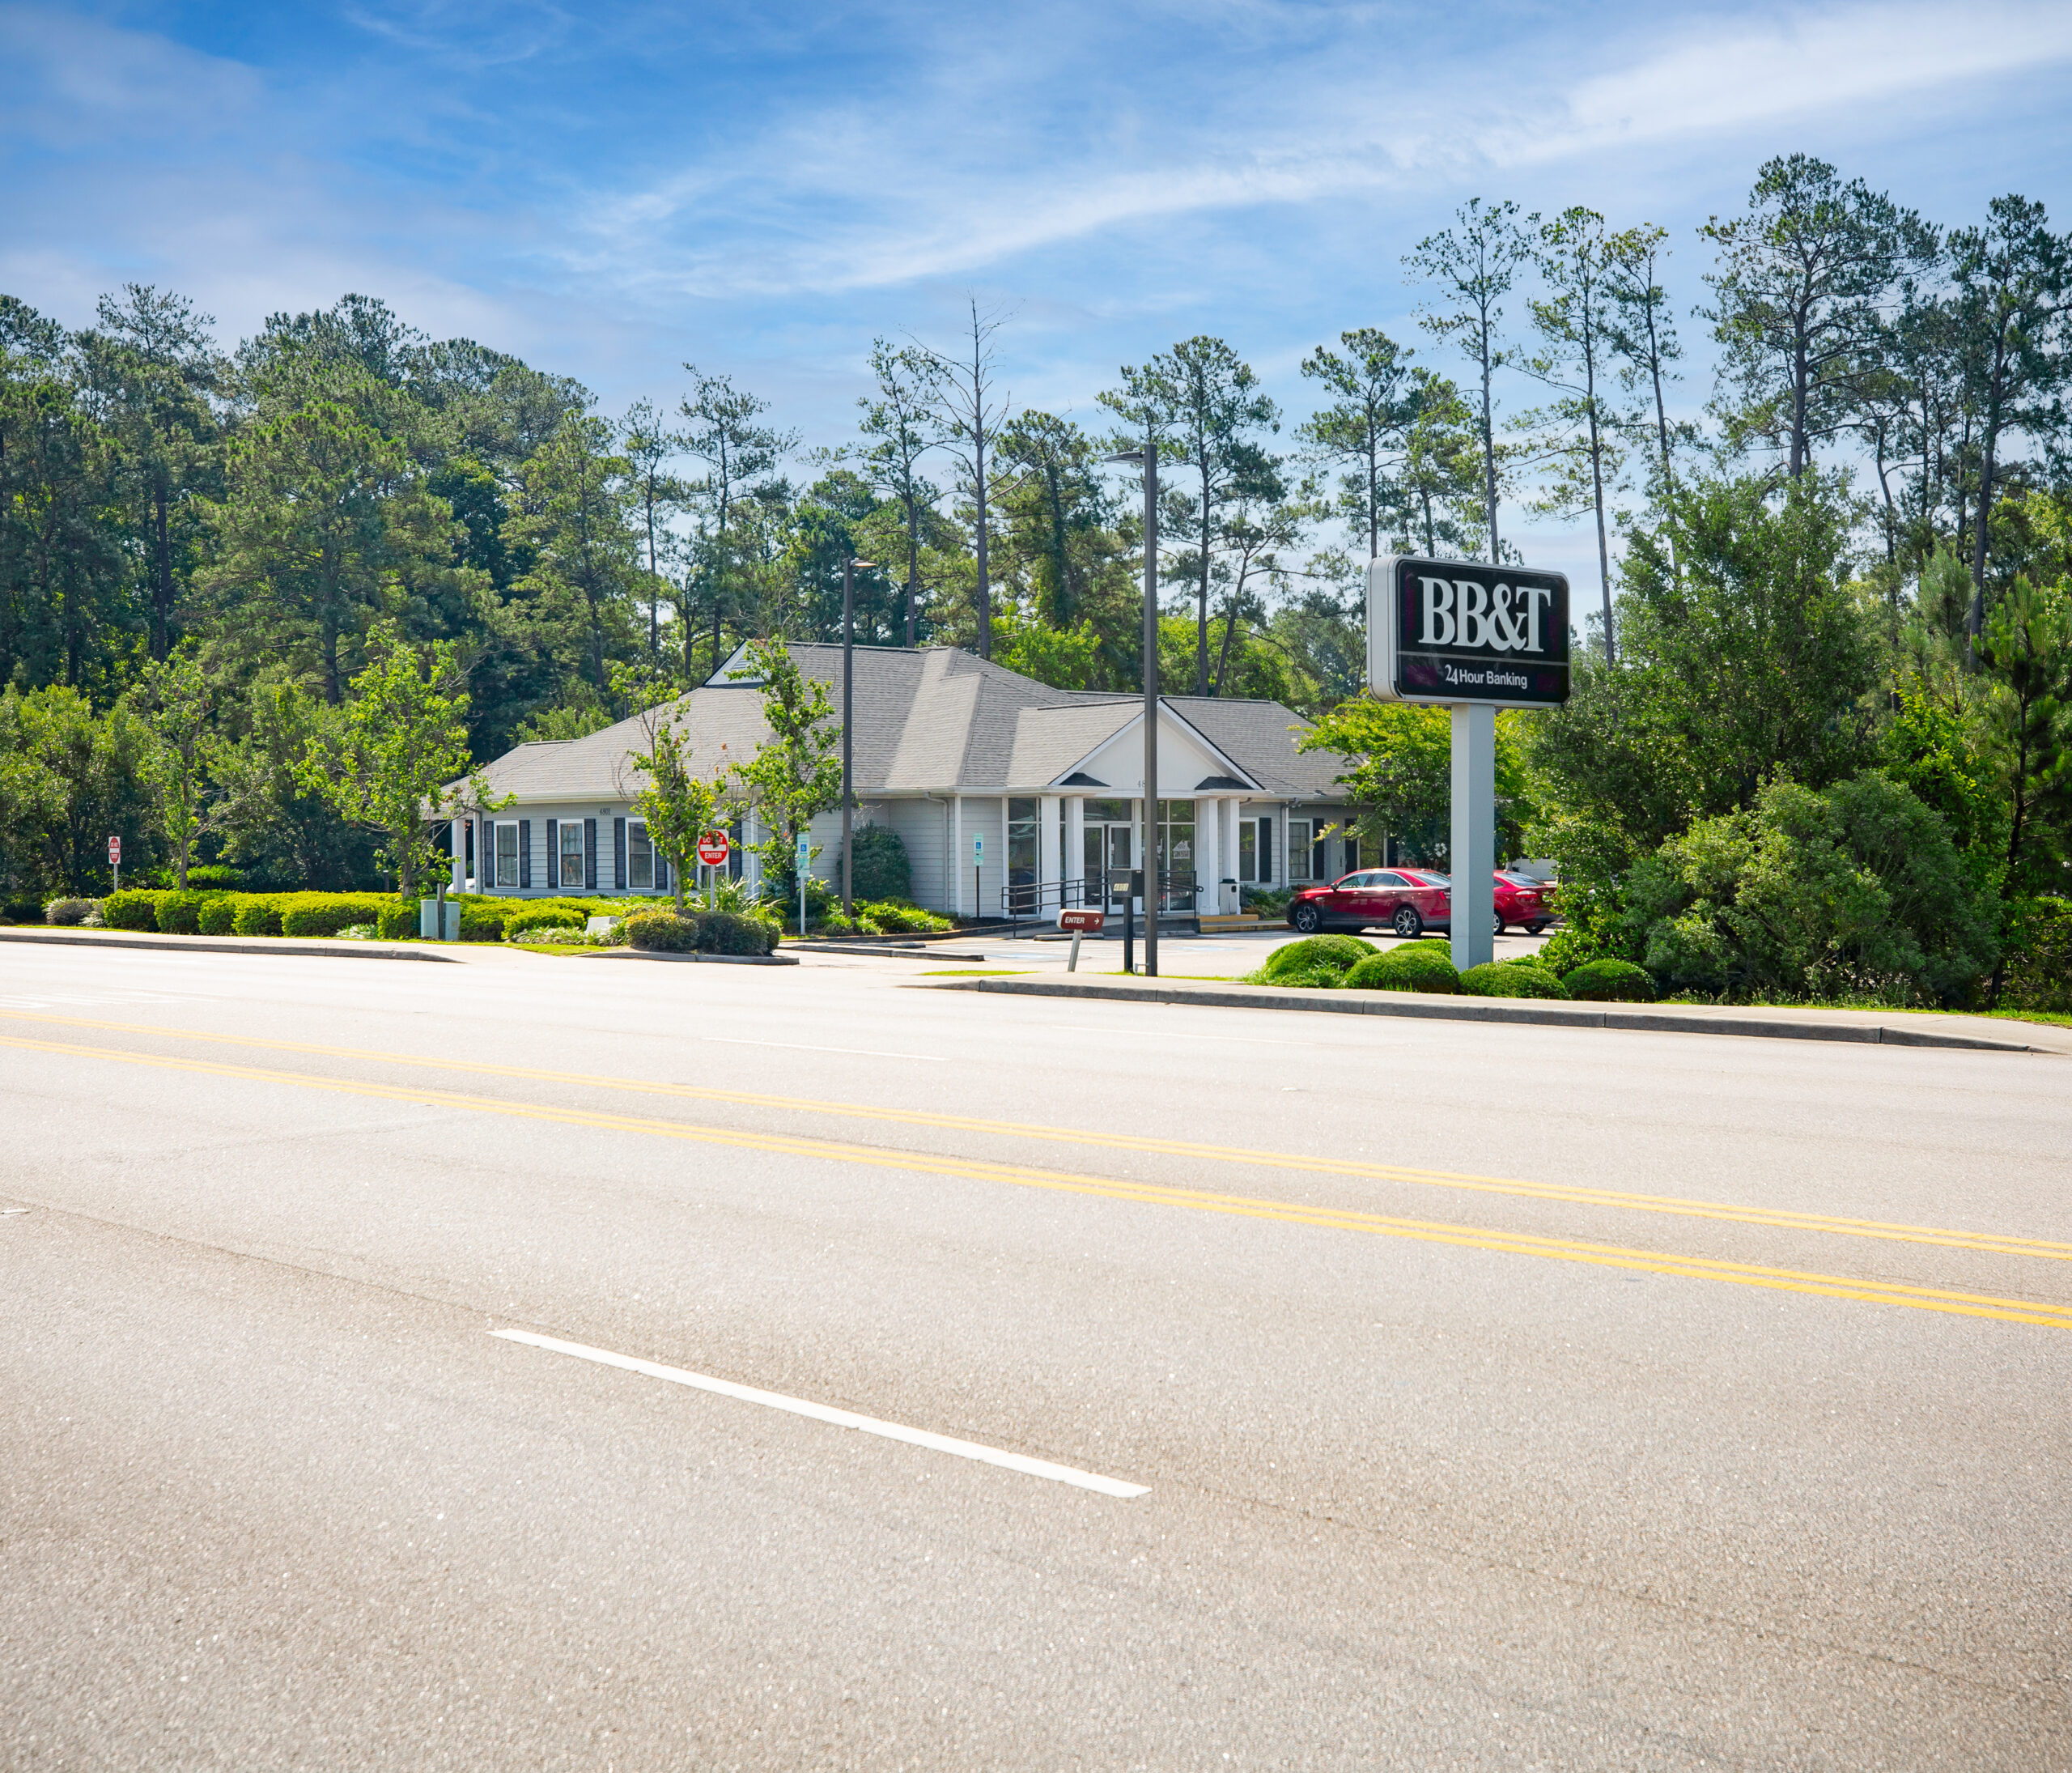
114, 860
712, 848
1080, 923
805, 861
1472, 638
977, 873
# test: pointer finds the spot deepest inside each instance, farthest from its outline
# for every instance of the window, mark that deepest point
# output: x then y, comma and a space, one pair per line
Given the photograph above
1352, 851
1176, 854
639, 857
572, 853
1255, 851
1022, 855
1300, 865
507, 854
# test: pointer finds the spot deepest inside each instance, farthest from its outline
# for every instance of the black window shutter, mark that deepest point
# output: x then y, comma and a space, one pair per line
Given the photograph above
590, 855
618, 854
525, 852
661, 867
485, 856
1266, 853
554, 854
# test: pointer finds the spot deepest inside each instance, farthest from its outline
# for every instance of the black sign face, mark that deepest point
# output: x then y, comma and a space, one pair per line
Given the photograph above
1456, 630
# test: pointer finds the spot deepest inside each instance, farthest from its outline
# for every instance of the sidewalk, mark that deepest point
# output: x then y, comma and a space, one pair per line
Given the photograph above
1890, 1028
64, 937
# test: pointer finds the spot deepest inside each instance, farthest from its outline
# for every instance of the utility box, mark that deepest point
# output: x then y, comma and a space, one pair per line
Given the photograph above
428, 930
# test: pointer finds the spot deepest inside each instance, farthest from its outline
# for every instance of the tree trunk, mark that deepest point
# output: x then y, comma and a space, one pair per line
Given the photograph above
1989, 444
913, 554
985, 584
1489, 446
162, 587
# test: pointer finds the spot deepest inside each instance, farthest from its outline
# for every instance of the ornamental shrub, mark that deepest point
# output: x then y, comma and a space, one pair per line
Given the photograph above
662, 933
67, 911
879, 858
1411, 966
256, 914
219, 915
179, 914
1315, 960
702, 931
135, 909
899, 918
325, 914
542, 916
216, 874
1610, 981
1508, 979
399, 922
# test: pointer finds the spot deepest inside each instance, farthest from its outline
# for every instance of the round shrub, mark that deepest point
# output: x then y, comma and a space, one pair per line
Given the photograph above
1315, 954
735, 932
219, 916
68, 911
527, 917
1507, 978
256, 917
661, 932
133, 910
1414, 966
1610, 981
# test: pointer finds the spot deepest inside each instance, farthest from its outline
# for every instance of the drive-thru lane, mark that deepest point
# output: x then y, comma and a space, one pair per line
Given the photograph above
1410, 1489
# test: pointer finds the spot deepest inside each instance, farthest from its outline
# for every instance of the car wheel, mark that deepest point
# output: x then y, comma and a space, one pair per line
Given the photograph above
1406, 923
1307, 919
1500, 922
1535, 930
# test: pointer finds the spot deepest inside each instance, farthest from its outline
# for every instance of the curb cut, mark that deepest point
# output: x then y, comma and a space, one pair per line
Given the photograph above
1437, 1009
220, 945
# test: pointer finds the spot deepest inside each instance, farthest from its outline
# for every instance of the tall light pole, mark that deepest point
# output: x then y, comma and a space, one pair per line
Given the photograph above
1147, 458
849, 566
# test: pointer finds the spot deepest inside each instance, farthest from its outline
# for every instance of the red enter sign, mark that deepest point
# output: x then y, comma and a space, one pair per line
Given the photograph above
1092, 920
713, 849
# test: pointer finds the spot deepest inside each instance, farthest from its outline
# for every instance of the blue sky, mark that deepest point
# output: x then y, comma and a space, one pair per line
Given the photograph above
610, 190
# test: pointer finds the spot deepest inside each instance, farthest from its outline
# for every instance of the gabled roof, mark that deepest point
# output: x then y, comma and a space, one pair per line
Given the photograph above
936, 720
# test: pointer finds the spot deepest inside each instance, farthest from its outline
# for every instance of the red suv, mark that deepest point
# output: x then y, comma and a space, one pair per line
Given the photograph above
1402, 900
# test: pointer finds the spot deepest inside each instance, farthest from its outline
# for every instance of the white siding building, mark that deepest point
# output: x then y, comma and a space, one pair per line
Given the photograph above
1011, 797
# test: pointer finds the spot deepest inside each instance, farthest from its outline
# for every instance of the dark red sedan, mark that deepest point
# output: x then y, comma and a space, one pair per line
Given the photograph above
1398, 899
1522, 902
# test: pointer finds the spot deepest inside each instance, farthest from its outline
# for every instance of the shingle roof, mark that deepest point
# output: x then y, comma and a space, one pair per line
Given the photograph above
935, 720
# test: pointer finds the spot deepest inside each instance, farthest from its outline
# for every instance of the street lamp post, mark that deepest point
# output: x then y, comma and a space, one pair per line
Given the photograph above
848, 701
1147, 458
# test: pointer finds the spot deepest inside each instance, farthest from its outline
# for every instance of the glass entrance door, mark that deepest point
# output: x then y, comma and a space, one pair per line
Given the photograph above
1109, 843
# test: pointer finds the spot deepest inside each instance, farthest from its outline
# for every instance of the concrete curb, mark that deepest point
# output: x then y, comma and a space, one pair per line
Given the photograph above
230, 945
723, 960
1439, 1008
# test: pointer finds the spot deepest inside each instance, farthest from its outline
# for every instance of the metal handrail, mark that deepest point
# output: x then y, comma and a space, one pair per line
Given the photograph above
1027, 901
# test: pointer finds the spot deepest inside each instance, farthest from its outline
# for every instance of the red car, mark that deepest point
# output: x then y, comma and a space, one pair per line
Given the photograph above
1521, 900
1402, 900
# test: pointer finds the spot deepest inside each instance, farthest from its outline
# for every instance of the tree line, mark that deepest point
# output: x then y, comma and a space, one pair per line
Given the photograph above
1888, 387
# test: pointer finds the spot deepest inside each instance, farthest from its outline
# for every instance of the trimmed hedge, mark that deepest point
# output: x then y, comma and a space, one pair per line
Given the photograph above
219, 916
700, 932
1414, 966
547, 917
1315, 960
1507, 978
255, 915
1610, 981
135, 909
179, 914
325, 914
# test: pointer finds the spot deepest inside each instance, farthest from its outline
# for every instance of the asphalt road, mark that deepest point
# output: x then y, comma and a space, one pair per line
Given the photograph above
1441, 1409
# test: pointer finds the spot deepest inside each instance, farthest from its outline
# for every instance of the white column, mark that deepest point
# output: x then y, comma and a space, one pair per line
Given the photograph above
1231, 898
955, 861
460, 828
1474, 858
1076, 846
1208, 856
1050, 865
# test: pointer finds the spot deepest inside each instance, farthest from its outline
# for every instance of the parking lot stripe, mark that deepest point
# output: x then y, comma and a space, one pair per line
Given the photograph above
841, 1418
1929, 1298
1993, 1243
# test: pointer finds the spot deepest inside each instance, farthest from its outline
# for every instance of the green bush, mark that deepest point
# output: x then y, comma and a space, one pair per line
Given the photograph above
215, 874
548, 916
1314, 960
68, 911
1412, 966
256, 914
702, 931
1507, 978
219, 915
1857, 892
899, 918
879, 859
135, 909
2037, 968
179, 914
1610, 981
399, 922
325, 914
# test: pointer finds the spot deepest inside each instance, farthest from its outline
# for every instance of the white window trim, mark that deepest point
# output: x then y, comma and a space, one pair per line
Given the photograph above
496, 859
633, 886
561, 855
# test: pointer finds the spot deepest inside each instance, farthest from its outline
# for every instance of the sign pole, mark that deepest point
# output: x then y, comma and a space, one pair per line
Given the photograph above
1474, 857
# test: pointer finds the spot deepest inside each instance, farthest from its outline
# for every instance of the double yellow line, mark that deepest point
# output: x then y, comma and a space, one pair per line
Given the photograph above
1430, 1231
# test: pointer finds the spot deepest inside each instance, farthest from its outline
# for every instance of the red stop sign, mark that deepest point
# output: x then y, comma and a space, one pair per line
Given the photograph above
713, 849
